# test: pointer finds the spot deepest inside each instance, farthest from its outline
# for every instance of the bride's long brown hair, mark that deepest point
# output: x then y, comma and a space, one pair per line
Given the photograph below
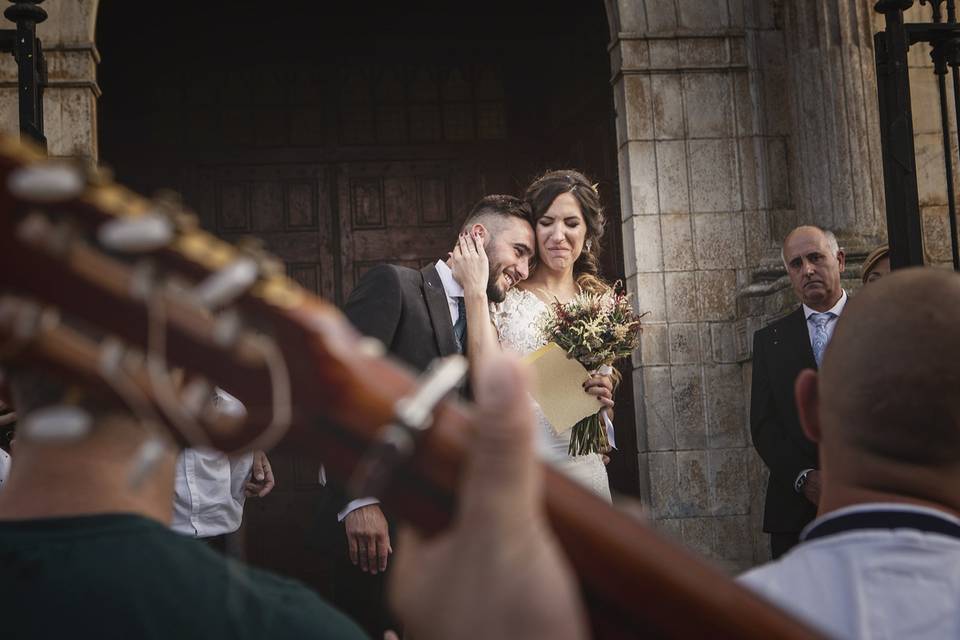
540, 195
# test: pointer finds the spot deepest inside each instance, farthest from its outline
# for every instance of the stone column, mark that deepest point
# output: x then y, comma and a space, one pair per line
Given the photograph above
838, 166
70, 98
699, 178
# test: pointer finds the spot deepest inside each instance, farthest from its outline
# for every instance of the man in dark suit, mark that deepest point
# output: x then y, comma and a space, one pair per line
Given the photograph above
419, 316
781, 351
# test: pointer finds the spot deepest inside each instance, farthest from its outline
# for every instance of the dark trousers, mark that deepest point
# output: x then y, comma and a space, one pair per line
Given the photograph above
780, 543
362, 596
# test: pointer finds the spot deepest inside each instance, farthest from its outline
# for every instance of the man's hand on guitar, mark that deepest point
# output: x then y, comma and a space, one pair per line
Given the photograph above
368, 538
498, 571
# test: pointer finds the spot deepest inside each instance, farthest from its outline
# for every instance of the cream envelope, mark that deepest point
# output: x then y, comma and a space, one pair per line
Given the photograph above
558, 387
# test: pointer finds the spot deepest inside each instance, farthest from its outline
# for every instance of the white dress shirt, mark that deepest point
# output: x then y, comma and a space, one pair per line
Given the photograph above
208, 485
4, 467
836, 310
870, 583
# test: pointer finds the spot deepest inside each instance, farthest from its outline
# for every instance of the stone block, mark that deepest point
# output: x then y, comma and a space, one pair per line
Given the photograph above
775, 89
752, 179
782, 222
699, 536
658, 406
734, 537
9, 111
699, 15
737, 13
632, 17
936, 235
664, 484
640, 158
714, 180
729, 481
655, 344
68, 22
648, 292
677, 235
718, 295
745, 104
719, 240
931, 177
661, 14
778, 173
704, 52
664, 54
671, 528
668, 106
689, 418
672, 177
726, 406
682, 301
693, 485
647, 252
757, 241
638, 101
708, 105
634, 54
684, 343
925, 102
723, 342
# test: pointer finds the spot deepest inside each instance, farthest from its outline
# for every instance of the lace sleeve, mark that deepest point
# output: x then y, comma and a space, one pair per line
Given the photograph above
517, 321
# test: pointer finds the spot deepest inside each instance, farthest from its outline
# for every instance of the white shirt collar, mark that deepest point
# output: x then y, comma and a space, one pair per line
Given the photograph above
451, 287
836, 310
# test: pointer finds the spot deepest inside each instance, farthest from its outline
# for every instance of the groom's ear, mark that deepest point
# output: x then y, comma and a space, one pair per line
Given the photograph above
480, 231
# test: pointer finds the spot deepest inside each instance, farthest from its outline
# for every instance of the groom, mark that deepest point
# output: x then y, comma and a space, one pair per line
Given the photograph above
419, 316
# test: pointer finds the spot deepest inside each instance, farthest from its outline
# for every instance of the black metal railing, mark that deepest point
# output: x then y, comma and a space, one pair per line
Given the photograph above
896, 120
26, 48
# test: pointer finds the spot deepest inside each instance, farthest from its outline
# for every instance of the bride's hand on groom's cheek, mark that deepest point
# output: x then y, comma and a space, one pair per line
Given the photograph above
470, 265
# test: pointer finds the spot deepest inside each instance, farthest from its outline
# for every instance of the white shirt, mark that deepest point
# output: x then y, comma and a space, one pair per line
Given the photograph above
208, 492
453, 290
836, 310
208, 486
870, 583
4, 467
451, 287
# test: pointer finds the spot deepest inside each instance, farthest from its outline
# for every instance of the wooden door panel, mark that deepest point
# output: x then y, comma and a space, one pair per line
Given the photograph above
404, 213
288, 207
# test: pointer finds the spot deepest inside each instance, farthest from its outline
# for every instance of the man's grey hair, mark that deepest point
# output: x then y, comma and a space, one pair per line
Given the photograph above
832, 243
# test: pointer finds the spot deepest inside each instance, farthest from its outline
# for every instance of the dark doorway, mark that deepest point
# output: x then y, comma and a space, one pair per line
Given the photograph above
344, 136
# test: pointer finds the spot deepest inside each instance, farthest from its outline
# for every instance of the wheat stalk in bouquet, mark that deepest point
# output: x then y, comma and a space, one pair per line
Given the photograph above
597, 329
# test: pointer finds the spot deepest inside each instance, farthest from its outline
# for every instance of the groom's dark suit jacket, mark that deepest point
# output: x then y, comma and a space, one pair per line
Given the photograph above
407, 310
780, 351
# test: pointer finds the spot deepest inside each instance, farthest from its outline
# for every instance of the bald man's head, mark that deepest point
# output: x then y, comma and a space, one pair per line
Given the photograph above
890, 381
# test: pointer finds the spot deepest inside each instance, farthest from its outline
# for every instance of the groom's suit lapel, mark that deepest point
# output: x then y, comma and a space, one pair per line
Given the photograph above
439, 310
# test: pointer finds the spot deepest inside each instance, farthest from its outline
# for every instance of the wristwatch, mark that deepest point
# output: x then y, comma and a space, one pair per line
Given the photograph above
801, 481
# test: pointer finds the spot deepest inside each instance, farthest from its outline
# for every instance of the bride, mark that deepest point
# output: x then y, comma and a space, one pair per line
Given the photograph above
568, 222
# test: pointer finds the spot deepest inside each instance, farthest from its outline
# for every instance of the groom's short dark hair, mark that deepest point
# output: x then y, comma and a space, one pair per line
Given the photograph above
497, 206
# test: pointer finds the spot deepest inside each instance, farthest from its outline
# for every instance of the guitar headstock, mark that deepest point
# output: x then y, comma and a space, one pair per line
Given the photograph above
175, 302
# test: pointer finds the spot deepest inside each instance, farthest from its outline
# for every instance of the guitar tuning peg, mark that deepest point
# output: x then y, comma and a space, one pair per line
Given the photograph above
269, 264
47, 182
144, 233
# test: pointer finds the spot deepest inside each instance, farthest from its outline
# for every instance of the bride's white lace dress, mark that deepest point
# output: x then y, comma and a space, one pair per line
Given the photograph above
517, 319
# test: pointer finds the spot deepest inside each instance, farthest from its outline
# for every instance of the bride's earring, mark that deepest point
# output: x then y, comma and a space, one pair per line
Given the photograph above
589, 244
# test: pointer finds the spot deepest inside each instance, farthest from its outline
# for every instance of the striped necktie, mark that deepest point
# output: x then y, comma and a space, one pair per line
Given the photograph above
460, 326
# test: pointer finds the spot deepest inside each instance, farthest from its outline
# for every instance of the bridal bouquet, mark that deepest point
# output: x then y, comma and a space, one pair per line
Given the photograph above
596, 329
